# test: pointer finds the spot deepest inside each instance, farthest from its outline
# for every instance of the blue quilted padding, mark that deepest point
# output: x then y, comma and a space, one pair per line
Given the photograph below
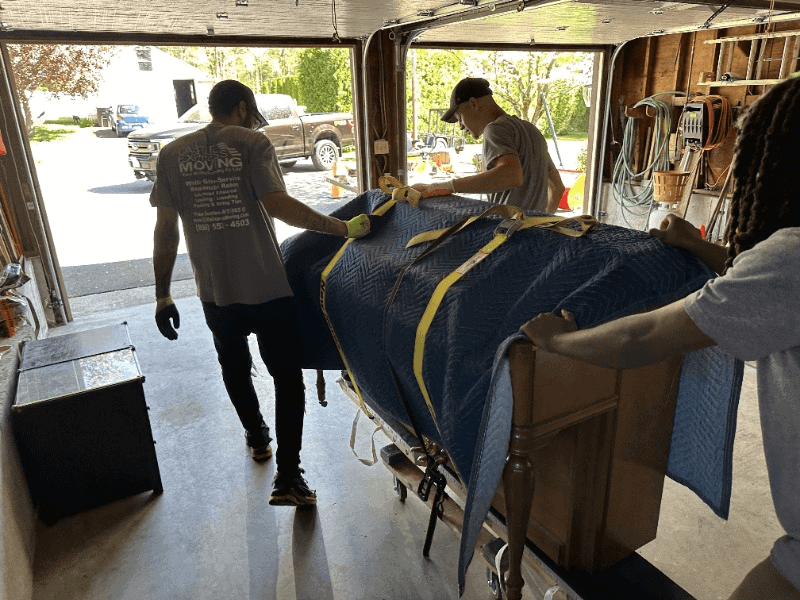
608, 273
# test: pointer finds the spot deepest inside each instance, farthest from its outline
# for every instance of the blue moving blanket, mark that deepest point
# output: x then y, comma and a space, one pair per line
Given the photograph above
606, 274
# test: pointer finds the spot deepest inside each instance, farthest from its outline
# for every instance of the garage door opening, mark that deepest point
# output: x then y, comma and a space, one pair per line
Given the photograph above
96, 128
550, 89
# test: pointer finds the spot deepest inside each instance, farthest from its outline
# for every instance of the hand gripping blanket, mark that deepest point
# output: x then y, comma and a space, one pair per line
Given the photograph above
378, 291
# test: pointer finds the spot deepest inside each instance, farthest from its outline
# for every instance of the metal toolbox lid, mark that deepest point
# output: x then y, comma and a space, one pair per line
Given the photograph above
68, 378
64, 348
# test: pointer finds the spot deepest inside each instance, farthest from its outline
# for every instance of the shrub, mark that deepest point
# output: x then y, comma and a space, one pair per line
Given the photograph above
582, 159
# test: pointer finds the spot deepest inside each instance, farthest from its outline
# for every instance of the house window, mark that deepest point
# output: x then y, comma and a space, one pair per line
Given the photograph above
144, 57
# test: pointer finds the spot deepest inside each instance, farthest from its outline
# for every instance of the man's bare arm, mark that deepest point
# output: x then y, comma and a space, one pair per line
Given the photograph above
678, 232
504, 175
293, 212
166, 238
629, 342
555, 190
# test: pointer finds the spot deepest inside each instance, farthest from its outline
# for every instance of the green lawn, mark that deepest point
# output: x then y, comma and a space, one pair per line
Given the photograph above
69, 121
570, 136
44, 134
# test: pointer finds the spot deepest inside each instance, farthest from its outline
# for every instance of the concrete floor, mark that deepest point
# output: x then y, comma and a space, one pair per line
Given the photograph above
212, 534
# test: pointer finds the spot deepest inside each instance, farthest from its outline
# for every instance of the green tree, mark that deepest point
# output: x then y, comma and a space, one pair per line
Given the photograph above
283, 71
430, 78
567, 108
323, 85
59, 69
518, 79
319, 78
344, 79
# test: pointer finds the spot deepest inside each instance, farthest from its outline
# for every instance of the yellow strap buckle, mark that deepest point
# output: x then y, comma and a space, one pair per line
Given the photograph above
508, 227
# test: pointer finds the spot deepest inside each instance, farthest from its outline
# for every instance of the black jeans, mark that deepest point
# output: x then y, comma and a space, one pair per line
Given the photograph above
275, 326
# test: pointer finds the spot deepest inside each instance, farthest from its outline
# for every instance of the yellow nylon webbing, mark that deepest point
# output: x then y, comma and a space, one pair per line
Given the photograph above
433, 306
587, 222
551, 223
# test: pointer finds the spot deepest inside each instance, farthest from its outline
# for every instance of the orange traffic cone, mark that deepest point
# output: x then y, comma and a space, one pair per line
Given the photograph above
334, 188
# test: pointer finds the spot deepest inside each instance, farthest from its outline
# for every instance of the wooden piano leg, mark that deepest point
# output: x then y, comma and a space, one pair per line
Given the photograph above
518, 477
518, 483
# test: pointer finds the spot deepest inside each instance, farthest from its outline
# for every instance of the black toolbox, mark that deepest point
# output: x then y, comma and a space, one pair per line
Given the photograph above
81, 422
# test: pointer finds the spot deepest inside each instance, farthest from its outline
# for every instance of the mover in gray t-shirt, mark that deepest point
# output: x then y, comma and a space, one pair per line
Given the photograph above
224, 184
519, 170
751, 311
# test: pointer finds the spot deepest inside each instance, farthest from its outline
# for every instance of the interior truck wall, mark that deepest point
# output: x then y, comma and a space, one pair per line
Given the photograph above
682, 62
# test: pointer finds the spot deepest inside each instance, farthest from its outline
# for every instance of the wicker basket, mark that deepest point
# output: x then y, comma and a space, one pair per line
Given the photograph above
668, 185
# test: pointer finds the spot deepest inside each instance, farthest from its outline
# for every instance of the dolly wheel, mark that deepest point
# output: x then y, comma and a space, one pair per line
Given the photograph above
494, 584
401, 489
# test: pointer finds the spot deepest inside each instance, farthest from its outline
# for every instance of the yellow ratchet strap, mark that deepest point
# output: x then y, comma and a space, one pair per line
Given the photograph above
514, 221
502, 233
392, 186
587, 222
323, 298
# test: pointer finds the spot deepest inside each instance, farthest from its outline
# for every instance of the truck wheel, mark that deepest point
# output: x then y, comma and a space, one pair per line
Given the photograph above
325, 154
441, 144
287, 164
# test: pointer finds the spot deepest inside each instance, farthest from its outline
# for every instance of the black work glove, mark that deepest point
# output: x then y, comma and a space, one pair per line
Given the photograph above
166, 311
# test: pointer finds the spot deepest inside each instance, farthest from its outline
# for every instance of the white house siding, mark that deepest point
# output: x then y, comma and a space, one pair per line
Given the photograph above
124, 82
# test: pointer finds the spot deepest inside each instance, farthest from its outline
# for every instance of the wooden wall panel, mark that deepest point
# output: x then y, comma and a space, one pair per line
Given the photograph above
678, 62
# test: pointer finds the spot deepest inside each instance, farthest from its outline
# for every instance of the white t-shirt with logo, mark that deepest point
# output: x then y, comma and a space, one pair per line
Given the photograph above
753, 313
214, 178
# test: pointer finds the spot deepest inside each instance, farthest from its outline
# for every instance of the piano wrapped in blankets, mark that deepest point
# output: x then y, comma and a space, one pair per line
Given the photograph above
424, 314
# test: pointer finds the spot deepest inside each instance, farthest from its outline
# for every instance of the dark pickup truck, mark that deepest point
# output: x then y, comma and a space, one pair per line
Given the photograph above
294, 134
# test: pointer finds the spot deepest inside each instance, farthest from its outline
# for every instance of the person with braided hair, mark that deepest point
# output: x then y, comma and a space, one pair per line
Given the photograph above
750, 311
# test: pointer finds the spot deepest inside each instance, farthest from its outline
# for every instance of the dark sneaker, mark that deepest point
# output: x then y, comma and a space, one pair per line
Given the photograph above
258, 443
292, 491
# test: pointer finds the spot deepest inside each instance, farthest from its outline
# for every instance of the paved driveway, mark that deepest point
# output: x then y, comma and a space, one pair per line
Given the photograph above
99, 212
100, 216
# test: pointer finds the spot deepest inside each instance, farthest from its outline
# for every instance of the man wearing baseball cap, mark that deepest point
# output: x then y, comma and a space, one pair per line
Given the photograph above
519, 169
224, 185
